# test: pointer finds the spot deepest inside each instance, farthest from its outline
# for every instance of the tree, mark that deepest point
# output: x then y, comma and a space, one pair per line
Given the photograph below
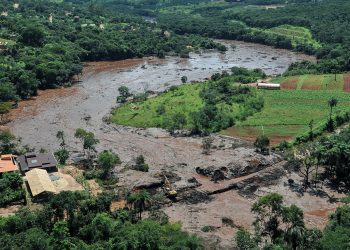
184, 79
140, 164
62, 154
33, 35
5, 108
293, 219
332, 103
308, 165
262, 142
268, 210
139, 201
207, 144
107, 160
311, 131
88, 140
124, 94
7, 142
244, 240
7, 90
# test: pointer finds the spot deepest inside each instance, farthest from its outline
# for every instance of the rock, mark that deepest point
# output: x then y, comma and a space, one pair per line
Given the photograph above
194, 197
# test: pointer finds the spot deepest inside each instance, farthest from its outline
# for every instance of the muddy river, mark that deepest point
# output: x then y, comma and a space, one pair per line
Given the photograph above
84, 105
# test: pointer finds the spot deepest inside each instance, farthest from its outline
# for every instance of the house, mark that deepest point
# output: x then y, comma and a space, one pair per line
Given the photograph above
31, 161
271, 86
39, 184
8, 164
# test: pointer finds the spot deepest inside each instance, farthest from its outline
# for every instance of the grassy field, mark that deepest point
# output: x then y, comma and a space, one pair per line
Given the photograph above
298, 35
6, 41
313, 82
287, 114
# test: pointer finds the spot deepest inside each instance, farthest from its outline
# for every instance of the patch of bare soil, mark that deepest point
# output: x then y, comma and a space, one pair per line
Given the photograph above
94, 187
66, 182
10, 210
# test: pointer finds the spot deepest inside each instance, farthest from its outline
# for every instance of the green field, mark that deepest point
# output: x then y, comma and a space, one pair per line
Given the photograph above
185, 99
287, 114
325, 82
6, 41
298, 35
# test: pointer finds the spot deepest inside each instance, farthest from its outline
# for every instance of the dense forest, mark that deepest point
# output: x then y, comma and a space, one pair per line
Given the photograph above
43, 44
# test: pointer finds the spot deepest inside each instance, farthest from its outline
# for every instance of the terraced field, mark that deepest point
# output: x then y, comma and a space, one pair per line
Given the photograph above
327, 82
288, 113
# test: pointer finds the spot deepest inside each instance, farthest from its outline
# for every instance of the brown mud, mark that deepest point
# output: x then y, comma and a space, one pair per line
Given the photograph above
85, 105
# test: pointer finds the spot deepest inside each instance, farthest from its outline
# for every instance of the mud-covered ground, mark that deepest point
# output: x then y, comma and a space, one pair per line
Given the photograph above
201, 202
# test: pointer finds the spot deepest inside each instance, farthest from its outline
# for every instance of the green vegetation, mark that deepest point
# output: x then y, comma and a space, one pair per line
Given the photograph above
11, 188
287, 114
330, 82
201, 107
47, 41
75, 220
282, 227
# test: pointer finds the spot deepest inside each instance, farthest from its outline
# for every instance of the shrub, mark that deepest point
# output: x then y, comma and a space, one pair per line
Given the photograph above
140, 164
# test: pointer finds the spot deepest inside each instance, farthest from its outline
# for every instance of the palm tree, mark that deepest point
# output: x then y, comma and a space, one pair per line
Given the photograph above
139, 200
332, 103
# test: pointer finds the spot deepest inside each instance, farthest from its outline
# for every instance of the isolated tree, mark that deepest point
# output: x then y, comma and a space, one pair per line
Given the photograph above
124, 94
62, 154
139, 200
184, 79
140, 164
262, 142
88, 140
332, 103
5, 108
207, 145
311, 129
107, 160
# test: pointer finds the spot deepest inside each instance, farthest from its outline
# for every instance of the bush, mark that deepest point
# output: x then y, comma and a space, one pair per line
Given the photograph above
140, 164
161, 109
62, 155
11, 188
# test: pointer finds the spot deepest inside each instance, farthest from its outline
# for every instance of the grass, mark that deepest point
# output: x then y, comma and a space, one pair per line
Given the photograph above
324, 82
297, 34
287, 113
185, 100
6, 41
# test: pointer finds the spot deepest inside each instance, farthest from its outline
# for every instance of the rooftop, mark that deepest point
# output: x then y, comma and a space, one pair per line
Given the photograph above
39, 182
7, 164
32, 160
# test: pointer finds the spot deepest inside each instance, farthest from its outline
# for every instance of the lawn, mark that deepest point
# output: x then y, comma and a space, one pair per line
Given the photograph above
287, 114
6, 41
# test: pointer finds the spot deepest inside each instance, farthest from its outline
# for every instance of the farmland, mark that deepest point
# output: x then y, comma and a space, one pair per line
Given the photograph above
287, 114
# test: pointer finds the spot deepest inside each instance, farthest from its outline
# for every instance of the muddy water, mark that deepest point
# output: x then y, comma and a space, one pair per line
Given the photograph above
84, 105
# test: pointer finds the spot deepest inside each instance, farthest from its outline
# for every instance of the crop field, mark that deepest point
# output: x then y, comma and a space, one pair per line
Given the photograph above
287, 113
314, 82
298, 35
346, 86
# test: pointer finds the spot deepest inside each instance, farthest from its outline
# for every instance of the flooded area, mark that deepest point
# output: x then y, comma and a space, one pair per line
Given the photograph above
84, 105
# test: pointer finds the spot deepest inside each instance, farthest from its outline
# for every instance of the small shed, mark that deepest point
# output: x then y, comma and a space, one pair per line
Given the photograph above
8, 163
39, 183
271, 86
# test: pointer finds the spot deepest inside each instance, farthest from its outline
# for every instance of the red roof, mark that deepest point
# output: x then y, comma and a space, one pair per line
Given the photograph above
7, 164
